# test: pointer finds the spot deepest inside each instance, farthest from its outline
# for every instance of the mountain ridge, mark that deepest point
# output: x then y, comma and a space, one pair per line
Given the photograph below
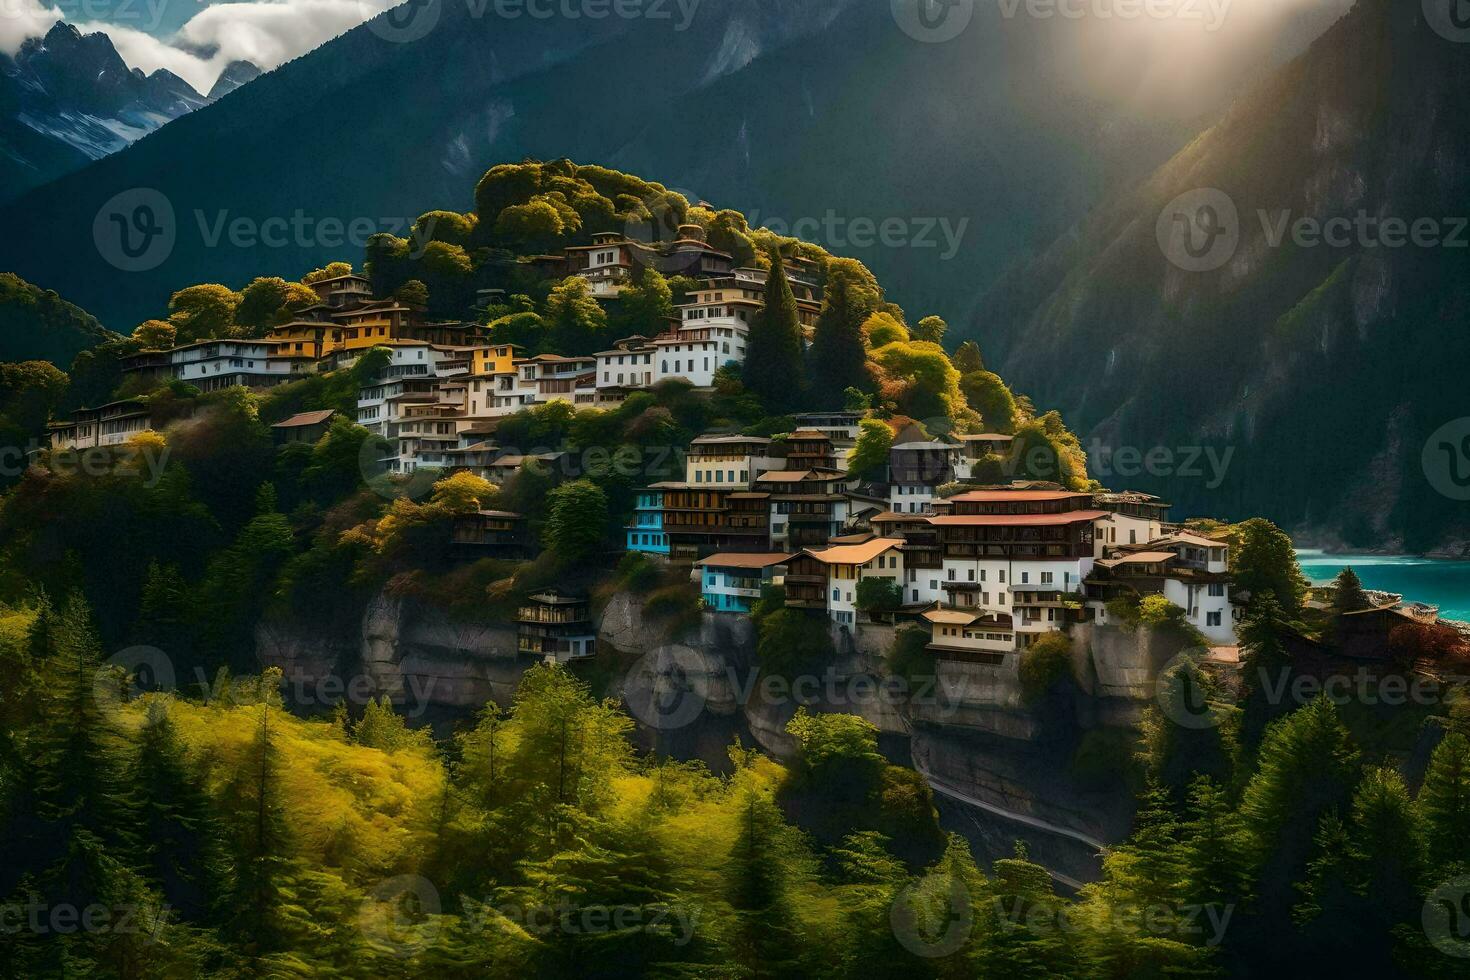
1284, 343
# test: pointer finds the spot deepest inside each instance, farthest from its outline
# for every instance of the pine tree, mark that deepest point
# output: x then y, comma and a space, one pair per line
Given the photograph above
757, 883
181, 840
773, 352
1347, 592
81, 790
838, 357
263, 845
1444, 805
1216, 862
1024, 932
1306, 767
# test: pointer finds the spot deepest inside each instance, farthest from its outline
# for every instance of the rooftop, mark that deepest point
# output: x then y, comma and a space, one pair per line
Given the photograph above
854, 554
305, 419
738, 560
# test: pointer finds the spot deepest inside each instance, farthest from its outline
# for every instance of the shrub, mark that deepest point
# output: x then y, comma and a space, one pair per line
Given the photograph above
1044, 665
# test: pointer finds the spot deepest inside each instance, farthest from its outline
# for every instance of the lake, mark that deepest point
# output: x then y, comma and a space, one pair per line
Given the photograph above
1445, 584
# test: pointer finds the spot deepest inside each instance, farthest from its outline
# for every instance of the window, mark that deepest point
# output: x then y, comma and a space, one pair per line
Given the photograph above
1046, 578
1217, 589
1212, 619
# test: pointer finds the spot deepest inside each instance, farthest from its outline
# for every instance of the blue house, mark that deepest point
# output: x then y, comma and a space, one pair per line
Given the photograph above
732, 582
646, 533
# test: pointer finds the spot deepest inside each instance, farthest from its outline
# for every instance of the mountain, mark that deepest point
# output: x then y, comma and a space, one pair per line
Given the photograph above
821, 117
236, 73
36, 324
68, 98
1193, 310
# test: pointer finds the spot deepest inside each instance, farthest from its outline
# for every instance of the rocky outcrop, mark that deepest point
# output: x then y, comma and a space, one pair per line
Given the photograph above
996, 759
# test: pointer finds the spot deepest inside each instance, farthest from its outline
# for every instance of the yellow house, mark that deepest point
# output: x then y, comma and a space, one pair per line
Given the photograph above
499, 359
312, 338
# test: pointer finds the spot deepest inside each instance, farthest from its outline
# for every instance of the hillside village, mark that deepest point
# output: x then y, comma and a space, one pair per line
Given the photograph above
987, 567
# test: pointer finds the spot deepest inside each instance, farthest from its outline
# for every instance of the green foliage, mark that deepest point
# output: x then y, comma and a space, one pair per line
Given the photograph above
838, 355
646, 305
575, 322
266, 302
869, 458
988, 395
882, 329
920, 380
790, 643
773, 352
38, 324
1263, 562
578, 520
931, 330
202, 312
1347, 592
1045, 664
877, 596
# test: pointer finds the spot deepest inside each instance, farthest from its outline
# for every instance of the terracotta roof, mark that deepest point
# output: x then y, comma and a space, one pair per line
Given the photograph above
783, 476
1017, 520
740, 560
305, 418
889, 517
987, 437
854, 554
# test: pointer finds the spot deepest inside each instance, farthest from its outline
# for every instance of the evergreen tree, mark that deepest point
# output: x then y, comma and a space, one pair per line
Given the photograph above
757, 876
1024, 932
181, 840
255, 809
1213, 851
1307, 766
838, 356
773, 352
1444, 806
576, 526
1263, 562
1347, 592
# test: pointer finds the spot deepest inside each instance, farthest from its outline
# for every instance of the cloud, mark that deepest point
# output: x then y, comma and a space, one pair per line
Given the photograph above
266, 32
20, 19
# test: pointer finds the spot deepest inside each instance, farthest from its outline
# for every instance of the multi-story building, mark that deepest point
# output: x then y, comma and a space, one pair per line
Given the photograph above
915, 471
112, 424
701, 520
732, 582
211, 365
808, 449
344, 291
628, 365
827, 578
969, 636
646, 533
500, 533
727, 460
808, 507
1137, 517
556, 627
1191, 571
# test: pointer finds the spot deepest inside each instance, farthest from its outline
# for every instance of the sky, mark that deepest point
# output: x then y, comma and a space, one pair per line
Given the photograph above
1185, 53
193, 40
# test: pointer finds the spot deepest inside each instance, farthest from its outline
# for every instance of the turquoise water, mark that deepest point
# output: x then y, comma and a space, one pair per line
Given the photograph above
1445, 584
